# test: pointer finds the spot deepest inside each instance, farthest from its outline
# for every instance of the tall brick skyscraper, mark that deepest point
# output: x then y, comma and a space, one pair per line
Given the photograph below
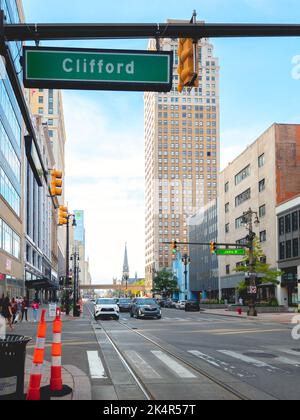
182, 156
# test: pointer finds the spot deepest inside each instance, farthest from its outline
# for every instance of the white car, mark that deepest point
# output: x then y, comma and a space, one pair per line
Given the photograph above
180, 304
106, 309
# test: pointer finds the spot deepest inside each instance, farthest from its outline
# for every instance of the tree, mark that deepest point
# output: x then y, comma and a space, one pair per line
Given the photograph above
165, 283
269, 275
136, 292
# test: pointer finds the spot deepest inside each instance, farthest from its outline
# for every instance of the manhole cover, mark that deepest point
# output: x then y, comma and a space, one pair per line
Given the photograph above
263, 355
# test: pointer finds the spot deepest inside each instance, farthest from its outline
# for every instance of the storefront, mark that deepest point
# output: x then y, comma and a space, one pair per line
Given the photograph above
9, 286
289, 282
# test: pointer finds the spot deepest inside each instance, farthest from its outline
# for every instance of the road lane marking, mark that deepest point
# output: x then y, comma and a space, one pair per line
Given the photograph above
145, 369
177, 368
249, 331
220, 364
288, 361
248, 360
97, 370
290, 352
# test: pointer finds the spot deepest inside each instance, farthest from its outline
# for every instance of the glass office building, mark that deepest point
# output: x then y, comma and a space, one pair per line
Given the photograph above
11, 135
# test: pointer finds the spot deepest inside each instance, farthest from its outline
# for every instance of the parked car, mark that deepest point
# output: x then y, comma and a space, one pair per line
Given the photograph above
192, 306
124, 304
173, 303
168, 303
180, 304
145, 308
106, 309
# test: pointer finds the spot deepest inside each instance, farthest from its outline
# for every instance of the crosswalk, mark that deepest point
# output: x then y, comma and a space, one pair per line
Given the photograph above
156, 365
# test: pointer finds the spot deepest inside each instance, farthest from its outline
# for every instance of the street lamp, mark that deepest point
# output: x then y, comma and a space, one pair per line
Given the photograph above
68, 217
75, 258
186, 261
125, 278
248, 221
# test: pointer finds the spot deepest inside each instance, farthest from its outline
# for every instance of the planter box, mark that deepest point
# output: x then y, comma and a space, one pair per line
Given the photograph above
261, 310
203, 306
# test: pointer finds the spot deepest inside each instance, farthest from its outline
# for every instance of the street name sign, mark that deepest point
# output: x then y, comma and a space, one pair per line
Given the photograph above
231, 252
91, 69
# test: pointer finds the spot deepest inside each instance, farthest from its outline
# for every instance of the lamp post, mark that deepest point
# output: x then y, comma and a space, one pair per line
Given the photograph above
68, 261
248, 217
75, 258
186, 261
125, 278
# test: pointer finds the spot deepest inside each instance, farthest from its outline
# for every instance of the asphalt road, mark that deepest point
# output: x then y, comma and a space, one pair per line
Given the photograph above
190, 356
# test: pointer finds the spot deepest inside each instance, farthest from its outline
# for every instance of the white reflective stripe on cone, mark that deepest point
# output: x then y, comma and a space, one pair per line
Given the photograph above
40, 343
56, 361
57, 338
36, 369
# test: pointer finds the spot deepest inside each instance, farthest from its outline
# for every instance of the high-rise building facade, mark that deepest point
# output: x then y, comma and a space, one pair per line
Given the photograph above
48, 104
11, 174
264, 176
182, 155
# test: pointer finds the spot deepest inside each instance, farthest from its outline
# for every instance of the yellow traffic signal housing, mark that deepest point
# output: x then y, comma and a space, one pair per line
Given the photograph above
188, 67
63, 215
213, 248
174, 247
56, 183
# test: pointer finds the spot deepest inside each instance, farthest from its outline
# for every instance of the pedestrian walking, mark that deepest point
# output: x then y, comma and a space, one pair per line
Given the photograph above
14, 309
24, 309
35, 309
7, 312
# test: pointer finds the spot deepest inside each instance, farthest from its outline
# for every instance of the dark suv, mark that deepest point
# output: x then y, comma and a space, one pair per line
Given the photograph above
124, 304
192, 306
145, 308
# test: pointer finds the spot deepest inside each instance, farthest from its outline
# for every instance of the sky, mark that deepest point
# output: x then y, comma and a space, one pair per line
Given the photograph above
260, 85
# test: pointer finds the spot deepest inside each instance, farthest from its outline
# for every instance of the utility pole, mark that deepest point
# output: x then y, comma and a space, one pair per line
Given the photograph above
68, 261
248, 221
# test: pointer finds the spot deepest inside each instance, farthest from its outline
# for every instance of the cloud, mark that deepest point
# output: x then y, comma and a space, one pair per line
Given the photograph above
105, 178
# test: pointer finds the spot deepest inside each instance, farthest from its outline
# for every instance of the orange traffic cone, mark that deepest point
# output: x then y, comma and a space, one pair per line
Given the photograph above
56, 376
34, 390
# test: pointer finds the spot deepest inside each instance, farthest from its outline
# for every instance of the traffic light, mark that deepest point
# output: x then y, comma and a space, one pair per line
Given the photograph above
213, 248
188, 67
63, 215
174, 247
56, 183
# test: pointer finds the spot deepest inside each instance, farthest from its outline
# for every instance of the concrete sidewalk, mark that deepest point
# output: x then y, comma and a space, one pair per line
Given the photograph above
281, 318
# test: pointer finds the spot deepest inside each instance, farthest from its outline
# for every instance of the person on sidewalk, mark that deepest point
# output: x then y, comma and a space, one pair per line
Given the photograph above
35, 309
24, 309
7, 312
14, 309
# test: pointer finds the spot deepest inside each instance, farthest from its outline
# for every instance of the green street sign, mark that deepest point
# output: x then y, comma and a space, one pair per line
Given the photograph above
91, 69
231, 252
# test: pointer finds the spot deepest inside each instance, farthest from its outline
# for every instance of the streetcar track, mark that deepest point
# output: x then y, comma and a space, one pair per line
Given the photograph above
140, 382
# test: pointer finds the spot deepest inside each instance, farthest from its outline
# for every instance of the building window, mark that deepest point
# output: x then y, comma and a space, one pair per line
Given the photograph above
41, 99
262, 211
227, 270
281, 226
288, 246
239, 222
242, 175
282, 251
240, 199
262, 185
288, 226
261, 161
227, 187
41, 111
227, 228
295, 224
263, 236
295, 247
227, 208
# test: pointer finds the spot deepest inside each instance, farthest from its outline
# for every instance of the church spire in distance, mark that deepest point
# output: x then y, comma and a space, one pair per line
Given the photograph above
125, 264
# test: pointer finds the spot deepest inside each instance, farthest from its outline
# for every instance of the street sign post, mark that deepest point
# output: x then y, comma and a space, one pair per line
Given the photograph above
224, 252
91, 69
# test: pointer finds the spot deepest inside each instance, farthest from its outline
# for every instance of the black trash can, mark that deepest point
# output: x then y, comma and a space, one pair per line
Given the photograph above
12, 366
77, 311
